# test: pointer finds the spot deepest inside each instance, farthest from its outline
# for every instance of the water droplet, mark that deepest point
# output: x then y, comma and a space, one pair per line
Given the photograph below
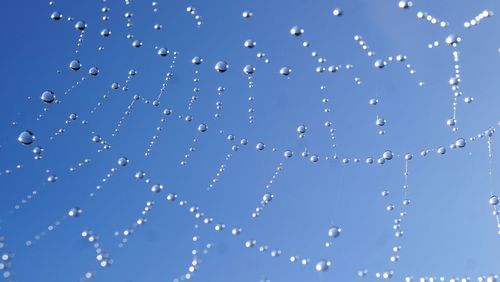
48, 97
56, 16
75, 212
221, 66
322, 265
249, 43
197, 60
247, 14
202, 127
123, 161
460, 143
75, 65
296, 30
493, 200
163, 52
379, 63
137, 43
260, 146
334, 231
405, 4
80, 25
93, 71
26, 137
249, 69
337, 12
285, 71
453, 40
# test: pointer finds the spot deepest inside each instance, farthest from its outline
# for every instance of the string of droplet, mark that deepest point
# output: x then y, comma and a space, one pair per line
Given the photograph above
477, 19
268, 196
115, 86
102, 257
6, 258
141, 220
192, 11
493, 200
156, 136
201, 129
130, 107
431, 19
195, 61
168, 77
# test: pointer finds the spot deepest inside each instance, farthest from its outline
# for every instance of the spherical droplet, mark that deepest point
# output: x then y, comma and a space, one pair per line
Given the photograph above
156, 188
26, 137
163, 52
221, 66
249, 69
197, 60
387, 155
493, 200
247, 14
80, 25
202, 127
453, 40
137, 43
301, 129
337, 12
314, 158
249, 43
460, 143
123, 161
322, 265
56, 16
405, 4
296, 30
93, 71
260, 146
334, 231
285, 71
48, 97
379, 64
288, 154
75, 65
75, 212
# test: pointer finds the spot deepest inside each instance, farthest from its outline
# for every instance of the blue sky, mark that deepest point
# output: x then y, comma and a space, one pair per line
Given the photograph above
449, 229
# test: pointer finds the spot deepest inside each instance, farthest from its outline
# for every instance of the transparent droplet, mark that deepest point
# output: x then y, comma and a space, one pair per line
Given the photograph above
337, 12
249, 43
26, 137
285, 71
163, 52
260, 146
48, 97
197, 60
123, 161
296, 30
493, 200
249, 69
80, 25
247, 14
334, 231
221, 66
74, 212
93, 71
202, 127
75, 65
137, 43
56, 16
322, 265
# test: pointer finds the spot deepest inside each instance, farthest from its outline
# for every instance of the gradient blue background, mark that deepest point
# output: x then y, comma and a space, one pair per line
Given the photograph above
449, 230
